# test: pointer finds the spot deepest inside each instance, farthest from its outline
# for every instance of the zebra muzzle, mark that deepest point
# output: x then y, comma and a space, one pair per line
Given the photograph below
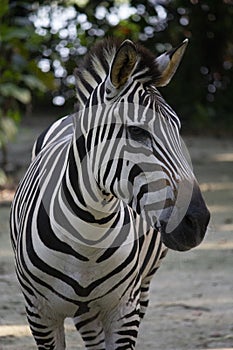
190, 230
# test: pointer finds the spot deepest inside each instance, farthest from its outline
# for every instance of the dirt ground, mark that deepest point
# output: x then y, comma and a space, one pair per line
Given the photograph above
191, 304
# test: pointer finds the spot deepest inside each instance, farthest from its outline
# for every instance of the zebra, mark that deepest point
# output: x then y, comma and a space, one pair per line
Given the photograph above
108, 192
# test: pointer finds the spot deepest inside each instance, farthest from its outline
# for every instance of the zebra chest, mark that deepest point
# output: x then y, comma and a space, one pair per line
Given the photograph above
92, 279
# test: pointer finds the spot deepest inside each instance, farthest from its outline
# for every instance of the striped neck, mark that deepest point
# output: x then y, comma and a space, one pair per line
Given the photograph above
81, 189
102, 220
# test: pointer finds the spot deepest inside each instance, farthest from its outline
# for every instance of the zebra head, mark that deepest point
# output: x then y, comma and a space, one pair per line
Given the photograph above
133, 143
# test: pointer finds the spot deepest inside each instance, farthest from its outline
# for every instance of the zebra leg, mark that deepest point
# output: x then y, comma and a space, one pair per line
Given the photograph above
48, 334
122, 329
144, 294
144, 297
90, 327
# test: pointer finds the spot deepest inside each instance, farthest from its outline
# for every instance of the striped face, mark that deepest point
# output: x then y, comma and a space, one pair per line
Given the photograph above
135, 151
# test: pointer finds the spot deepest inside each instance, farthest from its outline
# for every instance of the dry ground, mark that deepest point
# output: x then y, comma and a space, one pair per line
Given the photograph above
191, 305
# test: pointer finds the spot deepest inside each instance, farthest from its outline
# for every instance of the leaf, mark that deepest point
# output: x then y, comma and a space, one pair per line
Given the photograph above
4, 7
8, 129
46, 78
11, 90
14, 114
34, 83
3, 177
7, 34
22, 95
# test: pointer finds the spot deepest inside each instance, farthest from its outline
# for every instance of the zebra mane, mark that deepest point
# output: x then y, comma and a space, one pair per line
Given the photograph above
96, 65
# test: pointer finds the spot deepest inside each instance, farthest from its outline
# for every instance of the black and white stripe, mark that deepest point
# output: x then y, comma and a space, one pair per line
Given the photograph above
86, 216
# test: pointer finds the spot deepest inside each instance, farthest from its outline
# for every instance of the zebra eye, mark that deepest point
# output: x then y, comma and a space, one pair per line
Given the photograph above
138, 134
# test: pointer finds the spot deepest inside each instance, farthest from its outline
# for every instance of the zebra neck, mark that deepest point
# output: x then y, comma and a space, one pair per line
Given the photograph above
81, 190
87, 216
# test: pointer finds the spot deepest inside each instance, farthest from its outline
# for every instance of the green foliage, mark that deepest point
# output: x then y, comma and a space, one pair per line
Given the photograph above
3, 178
7, 130
19, 73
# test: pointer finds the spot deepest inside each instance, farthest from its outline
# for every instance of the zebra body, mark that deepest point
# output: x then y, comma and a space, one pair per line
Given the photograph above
89, 218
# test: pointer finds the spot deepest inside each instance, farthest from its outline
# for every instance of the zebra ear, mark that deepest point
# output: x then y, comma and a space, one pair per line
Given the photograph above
168, 62
123, 64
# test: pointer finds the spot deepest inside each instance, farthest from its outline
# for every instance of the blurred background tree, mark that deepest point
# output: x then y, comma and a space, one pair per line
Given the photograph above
20, 76
42, 42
